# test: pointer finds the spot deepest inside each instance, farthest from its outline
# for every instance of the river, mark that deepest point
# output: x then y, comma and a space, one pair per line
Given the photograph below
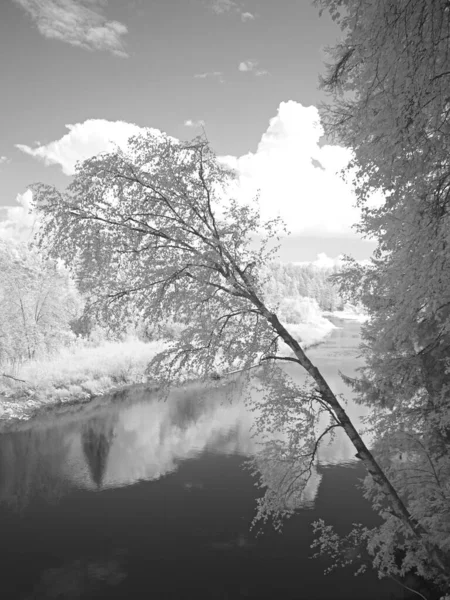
130, 497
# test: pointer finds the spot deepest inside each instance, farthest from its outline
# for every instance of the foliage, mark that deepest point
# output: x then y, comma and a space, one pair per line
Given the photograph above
289, 425
152, 234
150, 222
390, 88
305, 281
343, 551
38, 303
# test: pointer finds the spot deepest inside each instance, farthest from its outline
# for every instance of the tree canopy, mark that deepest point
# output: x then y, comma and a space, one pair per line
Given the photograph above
38, 302
304, 280
143, 235
389, 86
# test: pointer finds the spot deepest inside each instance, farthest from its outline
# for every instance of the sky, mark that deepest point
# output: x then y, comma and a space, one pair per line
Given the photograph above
79, 75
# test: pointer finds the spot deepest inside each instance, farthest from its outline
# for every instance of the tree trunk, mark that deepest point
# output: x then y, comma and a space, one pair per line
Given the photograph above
439, 558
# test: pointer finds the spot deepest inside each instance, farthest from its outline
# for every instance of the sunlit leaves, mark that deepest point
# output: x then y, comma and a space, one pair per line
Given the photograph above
152, 234
38, 301
390, 88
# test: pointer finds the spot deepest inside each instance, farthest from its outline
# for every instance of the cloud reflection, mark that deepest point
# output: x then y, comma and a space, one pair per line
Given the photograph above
137, 439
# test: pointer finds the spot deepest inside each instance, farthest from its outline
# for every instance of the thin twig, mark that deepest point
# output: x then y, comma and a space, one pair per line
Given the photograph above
407, 588
15, 378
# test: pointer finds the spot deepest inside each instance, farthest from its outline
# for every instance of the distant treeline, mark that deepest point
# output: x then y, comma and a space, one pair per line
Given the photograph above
289, 280
42, 310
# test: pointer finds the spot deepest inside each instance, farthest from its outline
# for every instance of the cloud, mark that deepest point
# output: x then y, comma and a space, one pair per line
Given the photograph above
247, 65
77, 22
211, 75
191, 123
312, 200
4, 160
326, 262
246, 16
298, 178
83, 141
323, 261
220, 7
20, 223
223, 6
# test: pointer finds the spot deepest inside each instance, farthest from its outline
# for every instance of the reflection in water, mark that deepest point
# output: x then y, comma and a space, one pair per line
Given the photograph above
175, 496
283, 479
146, 439
96, 436
121, 446
241, 541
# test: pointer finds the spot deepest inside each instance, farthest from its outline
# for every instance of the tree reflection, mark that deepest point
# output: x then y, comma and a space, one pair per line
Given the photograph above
96, 438
290, 483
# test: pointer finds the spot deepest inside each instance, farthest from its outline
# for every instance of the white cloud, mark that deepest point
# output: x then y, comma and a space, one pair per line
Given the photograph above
20, 223
323, 261
77, 22
220, 7
191, 123
311, 200
247, 16
247, 65
326, 262
223, 6
210, 75
4, 160
298, 179
83, 141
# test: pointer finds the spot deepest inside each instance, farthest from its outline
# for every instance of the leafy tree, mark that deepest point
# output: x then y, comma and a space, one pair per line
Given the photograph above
38, 302
307, 281
153, 234
389, 83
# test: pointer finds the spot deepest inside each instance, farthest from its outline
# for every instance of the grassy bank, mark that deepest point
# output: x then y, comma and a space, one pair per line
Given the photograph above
75, 374
82, 372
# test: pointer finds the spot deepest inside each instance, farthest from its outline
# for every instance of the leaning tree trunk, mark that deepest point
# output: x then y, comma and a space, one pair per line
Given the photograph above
437, 556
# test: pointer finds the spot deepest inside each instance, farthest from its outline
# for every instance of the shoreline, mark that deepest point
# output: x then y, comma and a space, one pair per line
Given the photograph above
22, 411
38, 414
23, 407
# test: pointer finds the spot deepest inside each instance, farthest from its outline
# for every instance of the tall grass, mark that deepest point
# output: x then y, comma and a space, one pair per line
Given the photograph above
97, 366
78, 372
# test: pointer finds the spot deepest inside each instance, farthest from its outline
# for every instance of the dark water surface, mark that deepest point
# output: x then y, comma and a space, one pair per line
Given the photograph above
135, 498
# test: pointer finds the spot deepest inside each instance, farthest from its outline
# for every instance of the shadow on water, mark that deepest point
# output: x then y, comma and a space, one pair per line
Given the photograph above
163, 482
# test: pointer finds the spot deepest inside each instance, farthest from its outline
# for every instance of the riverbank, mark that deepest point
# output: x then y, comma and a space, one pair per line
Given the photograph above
75, 375
81, 373
349, 313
